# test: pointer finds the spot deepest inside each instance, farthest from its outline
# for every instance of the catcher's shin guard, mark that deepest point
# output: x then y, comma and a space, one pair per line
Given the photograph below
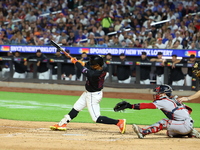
154, 128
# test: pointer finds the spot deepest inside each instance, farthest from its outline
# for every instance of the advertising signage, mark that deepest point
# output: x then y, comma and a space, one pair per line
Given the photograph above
101, 51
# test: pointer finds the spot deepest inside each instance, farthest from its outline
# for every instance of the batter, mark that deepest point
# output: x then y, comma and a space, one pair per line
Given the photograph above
95, 75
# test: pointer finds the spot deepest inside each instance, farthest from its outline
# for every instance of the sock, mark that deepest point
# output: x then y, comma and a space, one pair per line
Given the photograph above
73, 113
106, 120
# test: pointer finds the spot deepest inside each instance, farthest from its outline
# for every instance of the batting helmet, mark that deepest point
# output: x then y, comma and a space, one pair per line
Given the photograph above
96, 60
164, 89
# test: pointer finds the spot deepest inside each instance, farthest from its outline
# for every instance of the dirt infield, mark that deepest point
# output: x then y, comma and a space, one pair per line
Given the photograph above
23, 135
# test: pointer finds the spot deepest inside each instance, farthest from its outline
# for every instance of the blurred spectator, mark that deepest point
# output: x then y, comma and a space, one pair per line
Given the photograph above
176, 74
169, 43
159, 44
185, 44
64, 42
106, 23
71, 39
150, 38
101, 43
159, 69
192, 46
91, 43
144, 70
137, 44
177, 37
177, 45
63, 36
123, 44
19, 67
115, 42
123, 71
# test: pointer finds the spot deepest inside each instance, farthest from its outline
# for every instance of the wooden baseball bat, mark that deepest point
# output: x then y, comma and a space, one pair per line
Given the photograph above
59, 48
66, 54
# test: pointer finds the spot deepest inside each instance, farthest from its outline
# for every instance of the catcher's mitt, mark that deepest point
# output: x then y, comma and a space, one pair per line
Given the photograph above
196, 70
121, 106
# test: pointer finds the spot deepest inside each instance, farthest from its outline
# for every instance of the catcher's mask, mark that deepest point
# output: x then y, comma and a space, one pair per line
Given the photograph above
196, 70
162, 89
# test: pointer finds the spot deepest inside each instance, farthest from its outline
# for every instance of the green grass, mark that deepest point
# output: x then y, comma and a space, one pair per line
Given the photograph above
49, 107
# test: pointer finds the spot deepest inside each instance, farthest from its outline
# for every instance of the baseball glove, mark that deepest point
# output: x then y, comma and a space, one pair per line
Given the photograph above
196, 70
121, 106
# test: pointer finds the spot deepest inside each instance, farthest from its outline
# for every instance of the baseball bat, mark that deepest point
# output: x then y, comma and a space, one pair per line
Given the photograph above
59, 48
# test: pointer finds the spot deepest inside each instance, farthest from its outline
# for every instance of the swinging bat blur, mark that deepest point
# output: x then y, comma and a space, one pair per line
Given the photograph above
66, 54
59, 48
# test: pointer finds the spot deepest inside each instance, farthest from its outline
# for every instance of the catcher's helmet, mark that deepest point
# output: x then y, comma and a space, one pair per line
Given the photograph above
96, 60
164, 89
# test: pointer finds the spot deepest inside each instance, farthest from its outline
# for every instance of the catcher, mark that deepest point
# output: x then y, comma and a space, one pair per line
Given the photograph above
196, 72
178, 122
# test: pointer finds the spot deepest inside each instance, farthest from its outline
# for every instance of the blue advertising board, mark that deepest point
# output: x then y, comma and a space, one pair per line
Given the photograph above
100, 51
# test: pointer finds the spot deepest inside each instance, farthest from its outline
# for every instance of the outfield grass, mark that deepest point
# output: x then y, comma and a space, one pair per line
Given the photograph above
48, 107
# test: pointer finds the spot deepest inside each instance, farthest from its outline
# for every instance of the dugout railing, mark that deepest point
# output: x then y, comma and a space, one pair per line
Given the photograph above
109, 81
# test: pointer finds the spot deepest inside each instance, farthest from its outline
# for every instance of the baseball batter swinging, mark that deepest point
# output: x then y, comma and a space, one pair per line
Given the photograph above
91, 98
178, 122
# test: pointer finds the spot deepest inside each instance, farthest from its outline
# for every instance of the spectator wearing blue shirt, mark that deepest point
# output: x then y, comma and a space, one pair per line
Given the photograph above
101, 43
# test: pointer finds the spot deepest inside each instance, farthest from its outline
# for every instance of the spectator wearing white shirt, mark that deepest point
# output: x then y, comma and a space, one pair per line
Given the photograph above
171, 15
84, 20
157, 17
61, 18
177, 45
31, 17
192, 45
173, 26
177, 37
169, 41
159, 44
56, 35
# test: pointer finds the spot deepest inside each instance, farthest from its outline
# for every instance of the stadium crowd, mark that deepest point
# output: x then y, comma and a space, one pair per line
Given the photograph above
102, 23
163, 24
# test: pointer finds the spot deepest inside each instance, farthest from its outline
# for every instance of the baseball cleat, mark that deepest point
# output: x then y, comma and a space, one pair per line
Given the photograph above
122, 125
195, 133
60, 128
137, 131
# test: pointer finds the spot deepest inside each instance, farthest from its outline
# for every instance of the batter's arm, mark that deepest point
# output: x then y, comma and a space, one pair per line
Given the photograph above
194, 96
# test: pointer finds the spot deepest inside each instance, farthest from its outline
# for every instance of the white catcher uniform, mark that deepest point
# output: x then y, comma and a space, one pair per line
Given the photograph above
178, 121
